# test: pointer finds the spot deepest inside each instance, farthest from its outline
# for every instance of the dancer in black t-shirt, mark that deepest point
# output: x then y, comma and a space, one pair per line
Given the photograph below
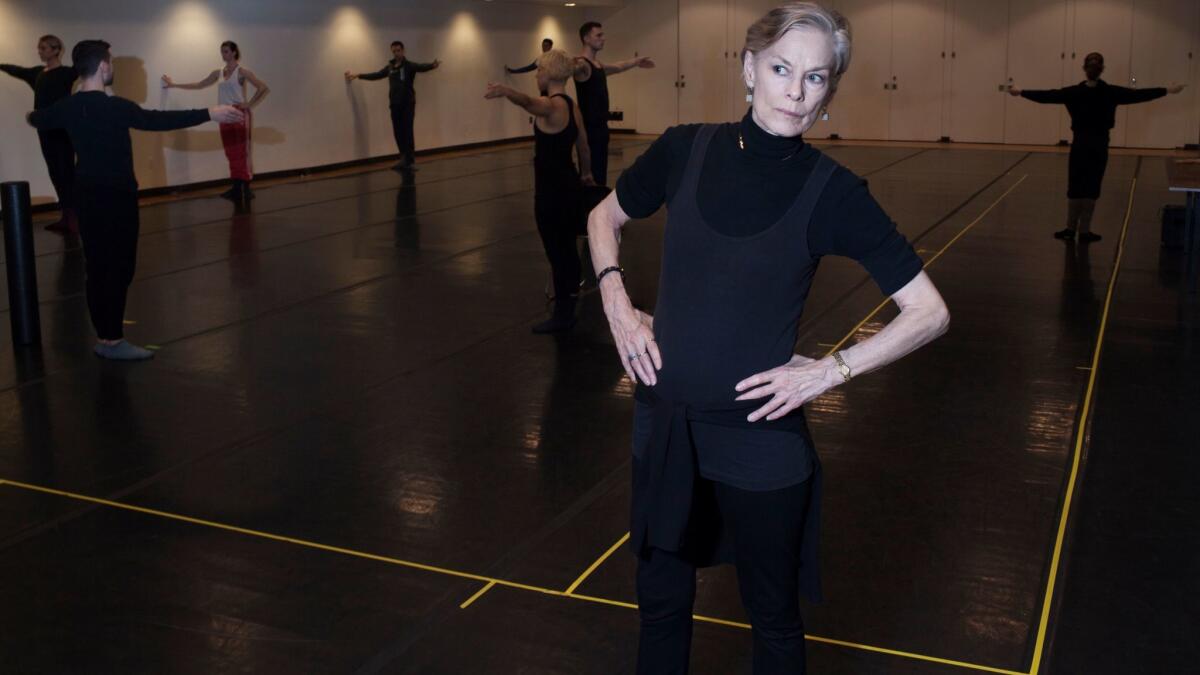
106, 187
1092, 105
51, 83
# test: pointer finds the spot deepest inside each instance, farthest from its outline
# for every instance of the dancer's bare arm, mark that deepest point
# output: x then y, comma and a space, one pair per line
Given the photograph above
582, 149
632, 329
260, 88
622, 66
209, 81
539, 106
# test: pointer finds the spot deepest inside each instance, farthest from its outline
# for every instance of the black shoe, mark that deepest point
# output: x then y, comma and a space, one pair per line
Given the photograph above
555, 324
1089, 237
247, 193
233, 193
1067, 234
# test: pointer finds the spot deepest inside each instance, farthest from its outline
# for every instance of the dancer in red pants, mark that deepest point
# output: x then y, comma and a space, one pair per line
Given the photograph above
231, 90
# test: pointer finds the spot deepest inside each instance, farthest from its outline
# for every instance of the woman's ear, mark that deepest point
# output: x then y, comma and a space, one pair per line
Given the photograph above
748, 69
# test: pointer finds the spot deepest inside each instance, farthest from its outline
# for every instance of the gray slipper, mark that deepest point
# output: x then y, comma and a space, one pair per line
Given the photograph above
122, 351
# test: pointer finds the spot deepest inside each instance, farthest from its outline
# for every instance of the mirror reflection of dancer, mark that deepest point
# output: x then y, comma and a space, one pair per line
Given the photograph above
231, 90
105, 185
1092, 105
547, 45
591, 85
557, 129
402, 98
51, 83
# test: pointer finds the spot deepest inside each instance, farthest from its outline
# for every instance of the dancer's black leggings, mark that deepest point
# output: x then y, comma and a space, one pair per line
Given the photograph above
108, 225
598, 146
1086, 165
766, 528
402, 128
555, 213
60, 162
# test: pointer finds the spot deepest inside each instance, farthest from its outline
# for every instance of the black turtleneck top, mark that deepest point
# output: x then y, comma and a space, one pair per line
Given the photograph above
743, 191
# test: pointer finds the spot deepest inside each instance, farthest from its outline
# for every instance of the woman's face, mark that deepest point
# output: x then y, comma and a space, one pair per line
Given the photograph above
46, 51
227, 54
790, 80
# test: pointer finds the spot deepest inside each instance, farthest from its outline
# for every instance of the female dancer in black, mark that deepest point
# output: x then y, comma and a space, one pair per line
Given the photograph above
51, 83
557, 184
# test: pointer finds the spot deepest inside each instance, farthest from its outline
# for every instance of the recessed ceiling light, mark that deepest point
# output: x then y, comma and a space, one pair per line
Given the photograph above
568, 4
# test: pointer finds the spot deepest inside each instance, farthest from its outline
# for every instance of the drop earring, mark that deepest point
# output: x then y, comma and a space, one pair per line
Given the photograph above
749, 94
824, 115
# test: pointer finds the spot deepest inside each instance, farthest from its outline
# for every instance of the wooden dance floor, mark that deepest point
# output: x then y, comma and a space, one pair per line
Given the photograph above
351, 456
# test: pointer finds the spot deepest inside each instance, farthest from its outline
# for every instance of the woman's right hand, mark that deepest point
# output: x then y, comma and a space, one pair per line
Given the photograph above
167, 82
350, 77
633, 333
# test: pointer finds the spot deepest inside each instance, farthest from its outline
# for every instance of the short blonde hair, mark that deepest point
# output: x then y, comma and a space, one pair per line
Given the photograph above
53, 41
776, 23
557, 64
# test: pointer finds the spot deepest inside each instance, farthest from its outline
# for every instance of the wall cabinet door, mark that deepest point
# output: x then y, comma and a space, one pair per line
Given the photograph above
1165, 33
1036, 54
918, 27
703, 77
658, 92
978, 58
862, 106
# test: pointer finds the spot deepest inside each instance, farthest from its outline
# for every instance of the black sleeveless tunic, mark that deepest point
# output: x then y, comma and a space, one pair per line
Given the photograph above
554, 171
593, 98
727, 307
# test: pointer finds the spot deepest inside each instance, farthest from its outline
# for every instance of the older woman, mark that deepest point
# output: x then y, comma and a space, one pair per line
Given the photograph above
231, 82
724, 467
557, 129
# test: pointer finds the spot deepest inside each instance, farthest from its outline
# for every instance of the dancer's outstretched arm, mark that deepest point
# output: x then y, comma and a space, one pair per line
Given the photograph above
209, 81
539, 106
426, 67
1039, 95
27, 75
1127, 96
622, 66
380, 74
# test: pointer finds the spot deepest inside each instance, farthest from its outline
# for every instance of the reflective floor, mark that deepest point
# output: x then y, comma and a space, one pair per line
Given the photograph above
351, 456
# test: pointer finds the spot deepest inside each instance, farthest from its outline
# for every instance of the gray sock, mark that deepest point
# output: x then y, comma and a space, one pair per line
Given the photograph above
123, 351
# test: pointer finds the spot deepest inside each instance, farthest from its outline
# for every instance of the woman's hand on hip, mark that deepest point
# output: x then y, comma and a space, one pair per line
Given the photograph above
789, 386
633, 333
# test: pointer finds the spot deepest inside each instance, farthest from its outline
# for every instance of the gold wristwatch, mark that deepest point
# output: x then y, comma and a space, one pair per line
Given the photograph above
842, 367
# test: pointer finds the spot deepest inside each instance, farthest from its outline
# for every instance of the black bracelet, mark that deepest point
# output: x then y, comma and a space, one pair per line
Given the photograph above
606, 270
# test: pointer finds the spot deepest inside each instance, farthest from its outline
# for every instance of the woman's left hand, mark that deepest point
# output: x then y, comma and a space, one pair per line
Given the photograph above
790, 386
494, 90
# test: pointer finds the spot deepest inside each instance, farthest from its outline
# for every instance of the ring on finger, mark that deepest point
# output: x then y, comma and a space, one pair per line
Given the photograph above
634, 356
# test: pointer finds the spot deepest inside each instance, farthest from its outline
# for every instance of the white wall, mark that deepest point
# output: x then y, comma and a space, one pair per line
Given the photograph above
300, 48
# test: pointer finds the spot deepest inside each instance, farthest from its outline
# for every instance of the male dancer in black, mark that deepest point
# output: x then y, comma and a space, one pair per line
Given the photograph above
105, 186
547, 45
591, 87
51, 83
1092, 105
402, 98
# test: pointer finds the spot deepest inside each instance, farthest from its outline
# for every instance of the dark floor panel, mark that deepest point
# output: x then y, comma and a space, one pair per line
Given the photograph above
120, 592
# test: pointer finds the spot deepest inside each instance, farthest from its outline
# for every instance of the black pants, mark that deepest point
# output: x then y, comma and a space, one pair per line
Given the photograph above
598, 145
555, 214
402, 129
60, 162
1086, 165
108, 225
766, 528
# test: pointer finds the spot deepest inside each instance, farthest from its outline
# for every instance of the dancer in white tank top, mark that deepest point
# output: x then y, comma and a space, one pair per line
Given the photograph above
231, 90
